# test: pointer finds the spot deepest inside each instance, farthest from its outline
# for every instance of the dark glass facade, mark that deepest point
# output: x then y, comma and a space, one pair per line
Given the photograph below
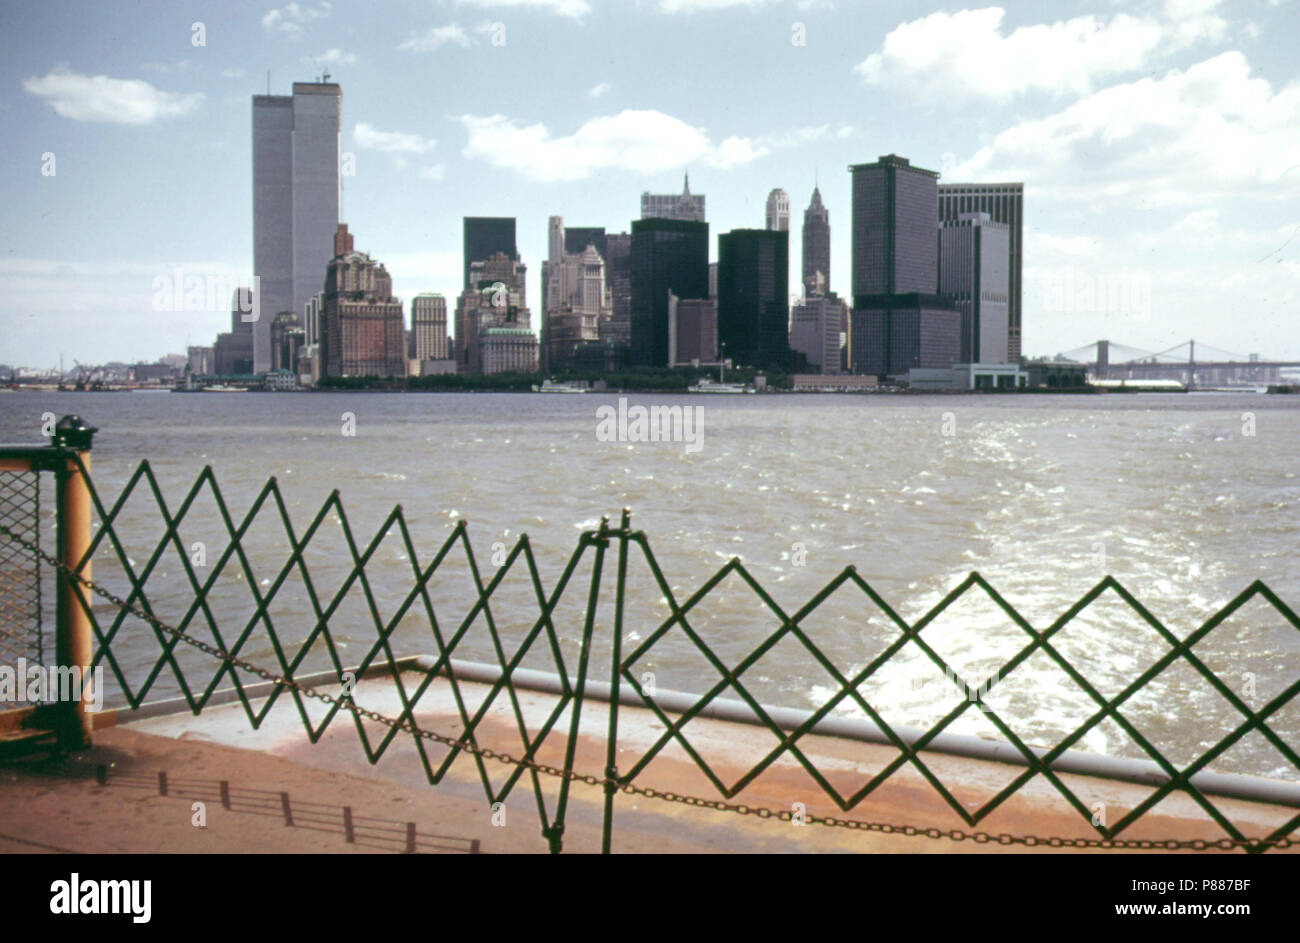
895, 228
894, 333
753, 297
484, 237
618, 275
577, 238
666, 255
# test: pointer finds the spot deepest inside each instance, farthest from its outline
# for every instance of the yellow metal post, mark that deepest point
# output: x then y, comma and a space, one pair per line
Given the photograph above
73, 645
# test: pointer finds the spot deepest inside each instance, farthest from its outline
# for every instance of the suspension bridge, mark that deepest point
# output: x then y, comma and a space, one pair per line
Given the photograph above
1193, 363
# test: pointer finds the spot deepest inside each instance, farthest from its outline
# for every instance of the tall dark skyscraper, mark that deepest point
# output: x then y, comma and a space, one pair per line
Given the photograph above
666, 255
577, 238
484, 237
816, 245
1005, 203
753, 298
618, 272
899, 320
895, 228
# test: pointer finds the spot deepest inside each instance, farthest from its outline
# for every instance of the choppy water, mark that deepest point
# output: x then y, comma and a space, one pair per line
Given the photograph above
1042, 495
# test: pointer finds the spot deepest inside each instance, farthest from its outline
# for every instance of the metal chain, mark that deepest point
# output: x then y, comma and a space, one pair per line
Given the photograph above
784, 815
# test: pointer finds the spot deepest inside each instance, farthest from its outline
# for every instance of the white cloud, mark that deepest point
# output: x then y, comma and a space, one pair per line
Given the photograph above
370, 138
600, 89
575, 9
436, 172
966, 54
235, 73
644, 142
735, 152
1190, 137
435, 37
332, 57
1194, 21
292, 18
114, 101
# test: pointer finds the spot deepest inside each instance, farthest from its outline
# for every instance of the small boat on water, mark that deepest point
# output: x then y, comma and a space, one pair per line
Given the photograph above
550, 386
721, 386
224, 388
711, 386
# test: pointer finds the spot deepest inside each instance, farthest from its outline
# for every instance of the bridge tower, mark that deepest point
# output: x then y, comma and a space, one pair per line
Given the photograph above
1191, 364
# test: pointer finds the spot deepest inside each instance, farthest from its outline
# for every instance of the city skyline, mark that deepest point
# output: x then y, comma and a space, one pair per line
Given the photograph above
1161, 165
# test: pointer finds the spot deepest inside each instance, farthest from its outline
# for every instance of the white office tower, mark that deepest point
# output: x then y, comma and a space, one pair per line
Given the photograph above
295, 200
778, 211
685, 205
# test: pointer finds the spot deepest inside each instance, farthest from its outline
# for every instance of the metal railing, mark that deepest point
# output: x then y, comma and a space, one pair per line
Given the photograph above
64, 686
607, 659
20, 572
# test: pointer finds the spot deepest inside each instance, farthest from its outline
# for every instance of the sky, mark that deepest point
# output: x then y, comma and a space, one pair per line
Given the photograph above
1158, 143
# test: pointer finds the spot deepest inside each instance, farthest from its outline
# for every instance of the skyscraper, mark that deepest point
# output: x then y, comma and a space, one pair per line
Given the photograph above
362, 326
815, 327
233, 351
973, 269
778, 211
753, 298
684, 206
429, 326
575, 297
493, 323
667, 255
484, 237
898, 320
295, 200
692, 330
577, 238
816, 245
895, 228
1005, 203
286, 341
618, 273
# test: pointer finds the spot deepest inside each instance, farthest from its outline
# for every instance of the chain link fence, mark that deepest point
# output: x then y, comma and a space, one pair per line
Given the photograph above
21, 630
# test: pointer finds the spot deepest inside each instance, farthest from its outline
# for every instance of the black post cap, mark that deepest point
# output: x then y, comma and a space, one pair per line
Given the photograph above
72, 432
